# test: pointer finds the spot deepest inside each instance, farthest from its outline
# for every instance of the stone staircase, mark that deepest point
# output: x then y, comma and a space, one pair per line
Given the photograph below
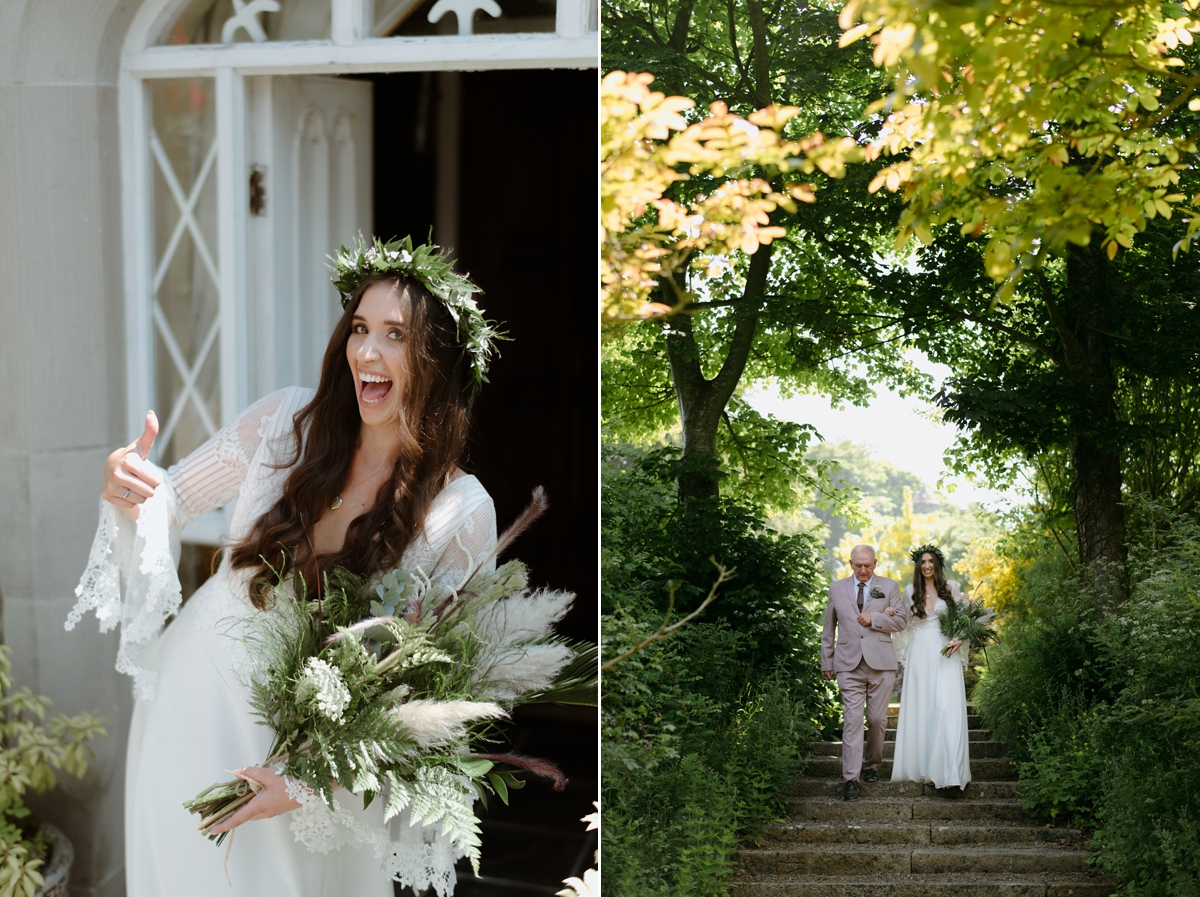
903, 839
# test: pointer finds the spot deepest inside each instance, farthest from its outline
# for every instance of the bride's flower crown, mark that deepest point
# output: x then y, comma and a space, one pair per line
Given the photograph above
916, 553
428, 264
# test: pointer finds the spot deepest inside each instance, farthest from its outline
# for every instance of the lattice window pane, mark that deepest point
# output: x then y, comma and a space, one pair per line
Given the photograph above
186, 305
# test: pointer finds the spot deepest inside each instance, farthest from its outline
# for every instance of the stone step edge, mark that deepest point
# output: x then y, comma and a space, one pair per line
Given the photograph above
940, 849
1001, 886
1016, 825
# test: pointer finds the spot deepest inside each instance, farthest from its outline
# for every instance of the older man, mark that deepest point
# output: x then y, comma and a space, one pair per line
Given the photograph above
863, 659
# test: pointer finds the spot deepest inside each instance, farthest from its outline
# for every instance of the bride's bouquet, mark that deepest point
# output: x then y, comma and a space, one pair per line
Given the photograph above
384, 691
967, 621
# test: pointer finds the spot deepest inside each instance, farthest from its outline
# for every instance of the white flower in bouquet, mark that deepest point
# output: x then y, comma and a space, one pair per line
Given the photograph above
323, 685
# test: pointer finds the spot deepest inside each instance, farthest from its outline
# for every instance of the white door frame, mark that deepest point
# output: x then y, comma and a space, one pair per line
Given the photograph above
574, 44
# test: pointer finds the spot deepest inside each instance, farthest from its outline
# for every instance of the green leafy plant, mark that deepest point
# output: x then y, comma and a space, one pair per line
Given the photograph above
30, 755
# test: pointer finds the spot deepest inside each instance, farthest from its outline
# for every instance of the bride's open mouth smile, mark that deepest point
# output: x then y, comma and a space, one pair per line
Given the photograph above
373, 388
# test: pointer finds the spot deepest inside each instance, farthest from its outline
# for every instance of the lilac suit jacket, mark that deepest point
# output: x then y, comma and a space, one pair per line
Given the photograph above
845, 641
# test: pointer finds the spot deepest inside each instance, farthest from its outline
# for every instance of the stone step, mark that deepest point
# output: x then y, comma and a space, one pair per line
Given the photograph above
978, 749
946, 885
828, 859
903, 810
919, 833
987, 770
832, 787
972, 734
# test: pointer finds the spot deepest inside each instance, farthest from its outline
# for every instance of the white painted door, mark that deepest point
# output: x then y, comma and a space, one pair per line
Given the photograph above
310, 152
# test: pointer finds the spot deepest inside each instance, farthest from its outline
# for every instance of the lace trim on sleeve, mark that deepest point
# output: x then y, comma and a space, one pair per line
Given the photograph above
142, 556
99, 588
416, 856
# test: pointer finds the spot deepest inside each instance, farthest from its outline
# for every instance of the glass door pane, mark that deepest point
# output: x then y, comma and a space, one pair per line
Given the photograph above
183, 147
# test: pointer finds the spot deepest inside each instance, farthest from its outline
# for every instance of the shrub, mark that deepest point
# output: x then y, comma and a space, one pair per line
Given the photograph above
702, 732
1103, 707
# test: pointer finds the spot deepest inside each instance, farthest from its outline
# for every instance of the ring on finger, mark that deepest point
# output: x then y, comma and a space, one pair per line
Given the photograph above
126, 495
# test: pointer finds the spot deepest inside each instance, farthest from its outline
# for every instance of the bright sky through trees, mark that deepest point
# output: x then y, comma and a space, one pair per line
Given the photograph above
901, 430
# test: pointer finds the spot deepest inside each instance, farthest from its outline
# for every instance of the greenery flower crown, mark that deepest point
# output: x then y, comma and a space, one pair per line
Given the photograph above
428, 264
916, 553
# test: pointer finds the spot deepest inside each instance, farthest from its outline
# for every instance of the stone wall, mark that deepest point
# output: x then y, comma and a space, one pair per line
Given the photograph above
63, 377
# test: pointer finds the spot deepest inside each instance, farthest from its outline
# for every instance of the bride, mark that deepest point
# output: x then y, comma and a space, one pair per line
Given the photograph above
931, 734
361, 474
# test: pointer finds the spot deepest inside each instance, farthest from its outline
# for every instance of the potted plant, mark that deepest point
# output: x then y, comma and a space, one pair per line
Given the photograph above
35, 858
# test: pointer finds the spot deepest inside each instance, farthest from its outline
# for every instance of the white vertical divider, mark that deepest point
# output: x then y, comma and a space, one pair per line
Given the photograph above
351, 21
233, 208
137, 188
571, 18
261, 300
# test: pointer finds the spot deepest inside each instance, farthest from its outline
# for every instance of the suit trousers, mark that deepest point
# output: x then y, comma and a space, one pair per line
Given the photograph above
872, 687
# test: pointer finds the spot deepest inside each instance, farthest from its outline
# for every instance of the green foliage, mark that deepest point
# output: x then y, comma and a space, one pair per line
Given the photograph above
1066, 117
29, 756
1104, 711
778, 584
1066, 760
702, 731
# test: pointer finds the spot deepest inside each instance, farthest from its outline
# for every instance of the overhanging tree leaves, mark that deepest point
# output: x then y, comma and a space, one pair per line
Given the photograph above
1074, 101
798, 311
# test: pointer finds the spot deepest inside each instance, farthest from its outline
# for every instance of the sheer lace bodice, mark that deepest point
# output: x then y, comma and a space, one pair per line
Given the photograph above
927, 628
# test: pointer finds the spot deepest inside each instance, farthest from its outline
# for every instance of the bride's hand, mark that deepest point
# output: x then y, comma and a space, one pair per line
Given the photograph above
272, 800
128, 480
953, 646
890, 611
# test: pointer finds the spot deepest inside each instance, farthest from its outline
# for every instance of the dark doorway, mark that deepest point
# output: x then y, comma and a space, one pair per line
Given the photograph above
526, 231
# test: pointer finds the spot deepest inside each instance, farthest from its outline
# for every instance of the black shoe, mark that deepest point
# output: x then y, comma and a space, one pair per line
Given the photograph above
870, 775
850, 791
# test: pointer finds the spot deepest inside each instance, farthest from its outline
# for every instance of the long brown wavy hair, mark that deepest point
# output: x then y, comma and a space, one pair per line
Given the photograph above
939, 584
433, 424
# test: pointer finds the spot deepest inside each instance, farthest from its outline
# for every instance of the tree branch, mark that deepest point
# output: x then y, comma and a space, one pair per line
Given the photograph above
665, 630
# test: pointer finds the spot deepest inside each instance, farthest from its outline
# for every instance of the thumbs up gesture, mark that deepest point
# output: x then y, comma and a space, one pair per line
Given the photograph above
128, 479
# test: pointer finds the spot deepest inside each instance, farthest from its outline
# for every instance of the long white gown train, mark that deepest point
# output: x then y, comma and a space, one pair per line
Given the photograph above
932, 744
192, 723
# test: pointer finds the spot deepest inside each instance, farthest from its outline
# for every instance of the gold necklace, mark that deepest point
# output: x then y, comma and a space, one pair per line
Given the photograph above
337, 500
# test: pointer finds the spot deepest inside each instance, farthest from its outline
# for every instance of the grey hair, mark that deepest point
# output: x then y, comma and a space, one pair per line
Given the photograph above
856, 548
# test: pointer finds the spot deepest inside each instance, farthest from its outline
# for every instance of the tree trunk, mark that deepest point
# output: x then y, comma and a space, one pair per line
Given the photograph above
702, 401
1099, 512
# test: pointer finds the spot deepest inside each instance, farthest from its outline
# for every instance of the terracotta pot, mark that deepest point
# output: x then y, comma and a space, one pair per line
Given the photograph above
57, 871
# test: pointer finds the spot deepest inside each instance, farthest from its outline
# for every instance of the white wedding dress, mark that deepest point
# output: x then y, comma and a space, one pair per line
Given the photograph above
931, 733
192, 723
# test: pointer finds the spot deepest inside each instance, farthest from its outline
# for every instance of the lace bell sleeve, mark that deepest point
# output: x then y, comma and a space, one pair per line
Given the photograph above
131, 578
